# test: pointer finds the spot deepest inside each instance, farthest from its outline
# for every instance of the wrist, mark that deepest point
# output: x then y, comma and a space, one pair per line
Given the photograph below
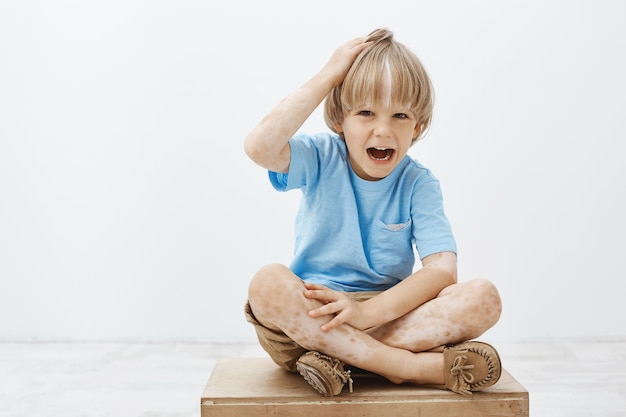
326, 79
370, 318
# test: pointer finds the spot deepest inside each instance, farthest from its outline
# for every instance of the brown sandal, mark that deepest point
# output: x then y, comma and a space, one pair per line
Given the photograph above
325, 374
471, 366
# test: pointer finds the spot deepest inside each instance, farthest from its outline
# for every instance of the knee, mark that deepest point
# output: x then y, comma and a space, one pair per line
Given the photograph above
266, 282
491, 303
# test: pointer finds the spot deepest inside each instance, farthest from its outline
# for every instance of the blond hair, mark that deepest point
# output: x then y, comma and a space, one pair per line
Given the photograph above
385, 60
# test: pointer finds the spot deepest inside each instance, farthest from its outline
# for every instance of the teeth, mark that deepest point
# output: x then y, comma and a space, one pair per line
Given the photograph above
388, 152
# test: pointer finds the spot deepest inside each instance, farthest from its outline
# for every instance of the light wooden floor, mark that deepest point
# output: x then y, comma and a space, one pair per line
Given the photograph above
166, 379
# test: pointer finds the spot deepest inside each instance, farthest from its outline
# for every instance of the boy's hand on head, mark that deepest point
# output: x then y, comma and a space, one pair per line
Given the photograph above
336, 304
268, 143
343, 58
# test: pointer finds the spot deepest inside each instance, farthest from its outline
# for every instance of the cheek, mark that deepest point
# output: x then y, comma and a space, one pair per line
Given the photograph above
407, 141
354, 138
353, 129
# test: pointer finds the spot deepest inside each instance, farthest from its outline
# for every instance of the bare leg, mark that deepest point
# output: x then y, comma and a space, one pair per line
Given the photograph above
460, 312
277, 299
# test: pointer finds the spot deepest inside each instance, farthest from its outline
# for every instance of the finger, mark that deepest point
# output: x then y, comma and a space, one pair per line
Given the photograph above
357, 41
337, 321
325, 310
312, 286
361, 42
325, 296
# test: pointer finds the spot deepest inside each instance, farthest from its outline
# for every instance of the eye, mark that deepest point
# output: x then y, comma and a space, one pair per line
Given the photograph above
365, 113
401, 116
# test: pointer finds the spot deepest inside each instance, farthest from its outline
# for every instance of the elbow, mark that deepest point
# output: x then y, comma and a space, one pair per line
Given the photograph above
447, 276
254, 151
453, 277
452, 274
265, 155
445, 264
250, 149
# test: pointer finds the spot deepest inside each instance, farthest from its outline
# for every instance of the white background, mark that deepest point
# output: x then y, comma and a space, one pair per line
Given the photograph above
128, 210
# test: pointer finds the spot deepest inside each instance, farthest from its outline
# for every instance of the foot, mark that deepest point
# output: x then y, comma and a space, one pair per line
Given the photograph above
325, 374
471, 366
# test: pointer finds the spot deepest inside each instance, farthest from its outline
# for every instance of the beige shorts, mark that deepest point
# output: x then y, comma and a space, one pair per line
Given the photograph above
281, 348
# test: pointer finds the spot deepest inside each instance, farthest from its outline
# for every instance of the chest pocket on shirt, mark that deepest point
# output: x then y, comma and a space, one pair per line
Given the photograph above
391, 251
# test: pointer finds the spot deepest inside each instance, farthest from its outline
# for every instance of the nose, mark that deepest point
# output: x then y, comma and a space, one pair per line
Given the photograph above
382, 128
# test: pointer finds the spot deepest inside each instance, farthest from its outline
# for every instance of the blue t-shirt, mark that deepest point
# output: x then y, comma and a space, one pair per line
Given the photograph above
358, 235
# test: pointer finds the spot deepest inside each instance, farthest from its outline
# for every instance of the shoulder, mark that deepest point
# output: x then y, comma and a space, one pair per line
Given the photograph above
320, 150
416, 173
320, 142
312, 157
421, 184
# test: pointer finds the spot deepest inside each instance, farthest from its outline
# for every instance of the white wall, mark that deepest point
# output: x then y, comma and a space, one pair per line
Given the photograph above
129, 211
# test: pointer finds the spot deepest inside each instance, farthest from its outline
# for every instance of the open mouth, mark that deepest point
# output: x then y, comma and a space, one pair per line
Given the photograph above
380, 154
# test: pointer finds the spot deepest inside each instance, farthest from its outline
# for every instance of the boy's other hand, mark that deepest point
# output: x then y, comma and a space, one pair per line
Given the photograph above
336, 304
342, 59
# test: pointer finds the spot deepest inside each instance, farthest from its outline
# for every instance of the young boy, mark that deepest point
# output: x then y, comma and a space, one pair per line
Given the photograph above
350, 295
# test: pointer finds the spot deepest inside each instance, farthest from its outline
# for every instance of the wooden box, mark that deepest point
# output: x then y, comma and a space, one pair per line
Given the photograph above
255, 387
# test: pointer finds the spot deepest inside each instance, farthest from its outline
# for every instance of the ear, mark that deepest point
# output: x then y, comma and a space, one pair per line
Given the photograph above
416, 131
338, 127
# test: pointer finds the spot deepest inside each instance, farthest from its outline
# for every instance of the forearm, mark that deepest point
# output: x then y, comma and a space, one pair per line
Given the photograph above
415, 290
267, 143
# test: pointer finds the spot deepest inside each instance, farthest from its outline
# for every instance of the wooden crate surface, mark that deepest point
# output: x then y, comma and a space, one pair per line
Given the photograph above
254, 387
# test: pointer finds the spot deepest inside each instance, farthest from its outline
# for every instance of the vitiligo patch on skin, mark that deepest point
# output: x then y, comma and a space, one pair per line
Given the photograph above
445, 319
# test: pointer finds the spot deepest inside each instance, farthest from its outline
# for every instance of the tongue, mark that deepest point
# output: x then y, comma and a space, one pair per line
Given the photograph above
378, 153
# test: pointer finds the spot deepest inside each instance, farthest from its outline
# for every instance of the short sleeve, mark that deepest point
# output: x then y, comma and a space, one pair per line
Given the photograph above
431, 229
309, 156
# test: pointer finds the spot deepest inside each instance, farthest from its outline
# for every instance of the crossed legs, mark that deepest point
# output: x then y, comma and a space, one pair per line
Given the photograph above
397, 350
